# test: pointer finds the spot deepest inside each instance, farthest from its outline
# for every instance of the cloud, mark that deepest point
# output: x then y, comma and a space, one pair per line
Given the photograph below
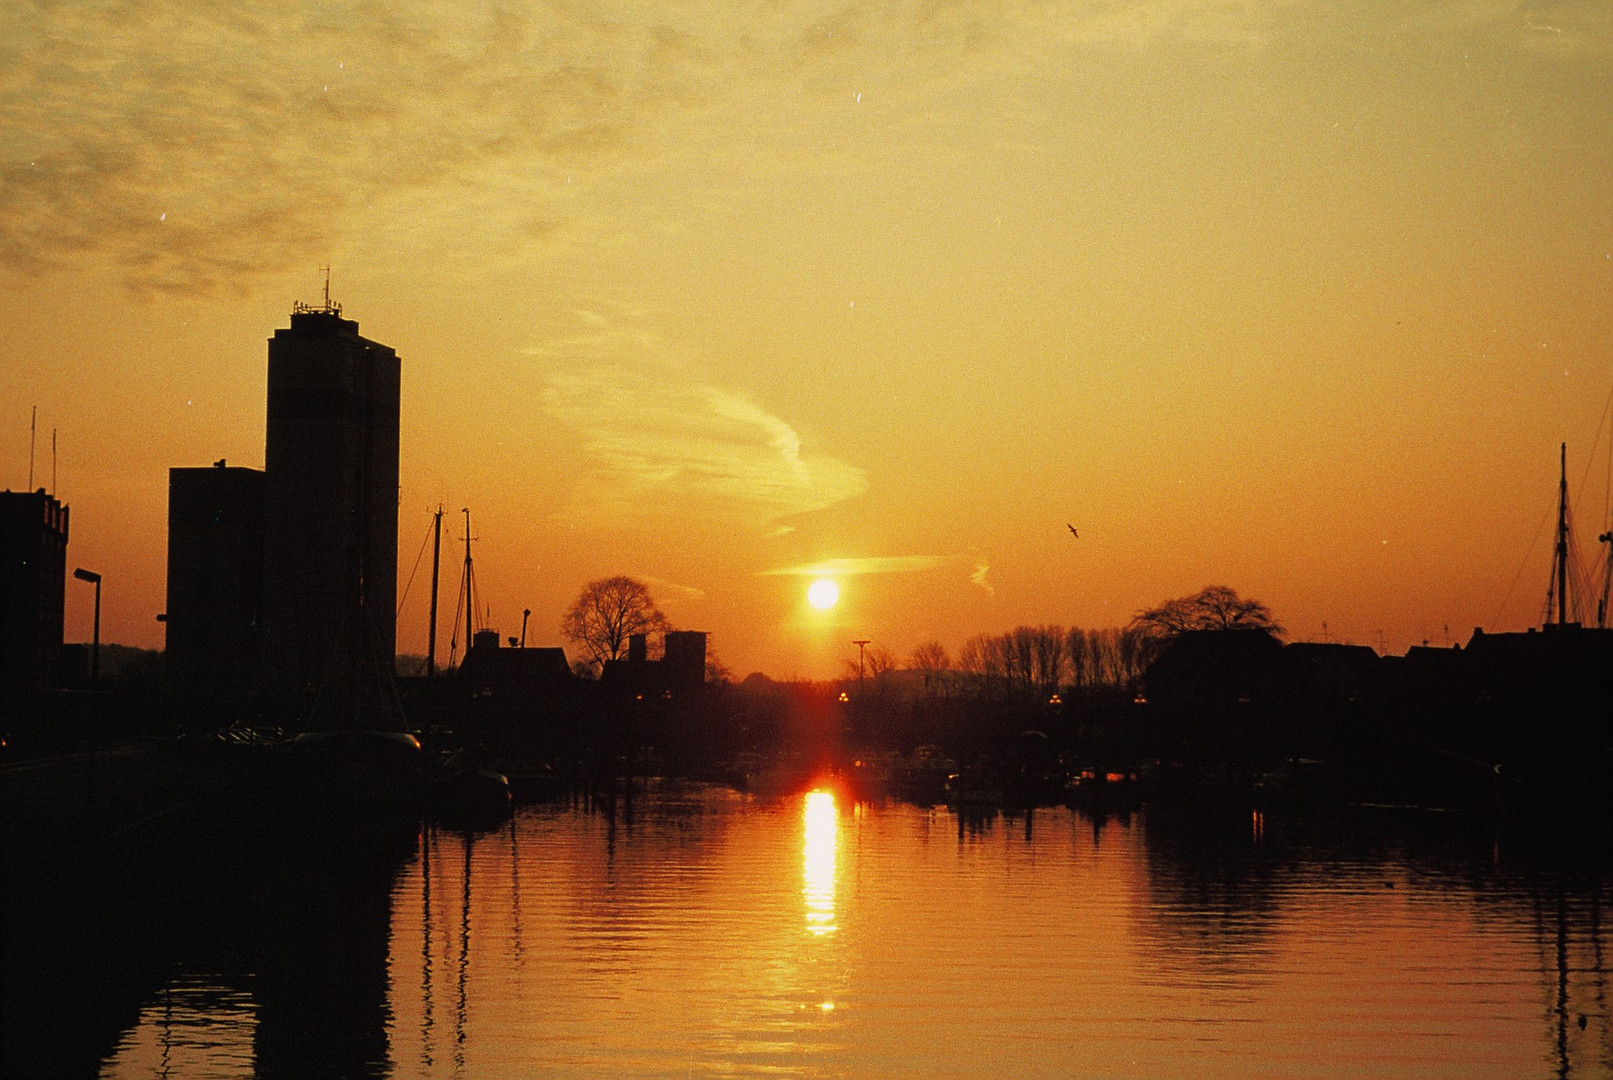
882, 564
202, 143
671, 592
657, 442
979, 577
197, 144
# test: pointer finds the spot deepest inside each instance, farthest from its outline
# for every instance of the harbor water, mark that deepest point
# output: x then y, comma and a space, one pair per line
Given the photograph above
696, 931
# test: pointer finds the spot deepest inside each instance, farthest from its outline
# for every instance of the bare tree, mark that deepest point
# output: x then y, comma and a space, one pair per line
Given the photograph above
934, 667
1047, 659
980, 661
1078, 647
1020, 645
1132, 649
930, 657
880, 660
608, 612
1214, 607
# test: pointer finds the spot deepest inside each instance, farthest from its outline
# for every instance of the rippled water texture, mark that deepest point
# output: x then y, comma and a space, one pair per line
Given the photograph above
701, 933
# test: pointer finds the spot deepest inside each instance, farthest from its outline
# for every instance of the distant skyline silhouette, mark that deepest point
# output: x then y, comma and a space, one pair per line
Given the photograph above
1291, 299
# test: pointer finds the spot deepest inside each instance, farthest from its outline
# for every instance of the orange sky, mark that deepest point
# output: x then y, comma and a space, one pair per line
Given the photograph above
1291, 297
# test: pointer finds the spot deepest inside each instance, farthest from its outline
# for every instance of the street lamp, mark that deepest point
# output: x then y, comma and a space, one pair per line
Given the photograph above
861, 645
95, 646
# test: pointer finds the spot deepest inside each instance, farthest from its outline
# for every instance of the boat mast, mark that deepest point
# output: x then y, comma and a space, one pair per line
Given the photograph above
470, 603
1607, 579
436, 562
1562, 541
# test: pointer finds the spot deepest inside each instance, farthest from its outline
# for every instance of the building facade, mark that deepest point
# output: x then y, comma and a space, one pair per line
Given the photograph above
330, 500
215, 579
33, 577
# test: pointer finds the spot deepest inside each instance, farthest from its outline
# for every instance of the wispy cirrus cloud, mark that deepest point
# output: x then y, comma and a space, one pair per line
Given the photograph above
982, 568
852, 567
657, 440
670, 592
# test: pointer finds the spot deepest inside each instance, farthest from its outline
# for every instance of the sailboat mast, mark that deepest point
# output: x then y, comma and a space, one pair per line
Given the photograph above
1562, 541
436, 566
470, 604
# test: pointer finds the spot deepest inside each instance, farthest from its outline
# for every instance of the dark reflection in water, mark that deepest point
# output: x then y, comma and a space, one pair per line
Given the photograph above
204, 950
705, 932
323, 915
1227, 892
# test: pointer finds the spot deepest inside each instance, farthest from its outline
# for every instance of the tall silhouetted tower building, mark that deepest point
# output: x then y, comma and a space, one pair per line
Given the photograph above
330, 502
215, 579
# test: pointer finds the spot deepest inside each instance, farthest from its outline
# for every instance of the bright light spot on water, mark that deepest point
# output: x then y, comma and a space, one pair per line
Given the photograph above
822, 835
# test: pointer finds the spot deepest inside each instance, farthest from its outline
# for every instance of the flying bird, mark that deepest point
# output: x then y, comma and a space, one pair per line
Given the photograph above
1073, 533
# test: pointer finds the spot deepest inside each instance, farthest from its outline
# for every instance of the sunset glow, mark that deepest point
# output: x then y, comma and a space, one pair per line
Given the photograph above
819, 855
1297, 299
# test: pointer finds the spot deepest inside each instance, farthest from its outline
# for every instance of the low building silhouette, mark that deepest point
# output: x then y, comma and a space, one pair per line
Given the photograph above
491, 671
682, 666
33, 577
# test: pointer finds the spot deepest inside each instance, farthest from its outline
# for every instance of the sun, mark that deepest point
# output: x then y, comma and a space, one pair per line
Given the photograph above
823, 594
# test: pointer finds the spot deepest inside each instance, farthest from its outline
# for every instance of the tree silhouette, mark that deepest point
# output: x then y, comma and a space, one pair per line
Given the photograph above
1214, 607
934, 667
608, 612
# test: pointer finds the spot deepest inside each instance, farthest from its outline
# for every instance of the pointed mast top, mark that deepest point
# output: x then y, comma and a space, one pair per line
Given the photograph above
1562, 541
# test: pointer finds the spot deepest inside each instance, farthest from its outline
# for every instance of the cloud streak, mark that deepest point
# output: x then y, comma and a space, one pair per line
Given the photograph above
658, 442
853, 567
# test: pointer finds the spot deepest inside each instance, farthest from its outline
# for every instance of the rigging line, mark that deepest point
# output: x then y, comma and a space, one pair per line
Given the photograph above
404, 598
453, 640
1596, 440
1550, 513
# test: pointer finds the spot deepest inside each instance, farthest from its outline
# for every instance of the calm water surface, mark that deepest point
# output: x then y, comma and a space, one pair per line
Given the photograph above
703, 933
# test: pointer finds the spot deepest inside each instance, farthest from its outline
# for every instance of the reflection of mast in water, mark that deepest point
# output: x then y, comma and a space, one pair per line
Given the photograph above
461, 1008
1574, 1026
1562, 982
515, 896
426, 1019
818, 861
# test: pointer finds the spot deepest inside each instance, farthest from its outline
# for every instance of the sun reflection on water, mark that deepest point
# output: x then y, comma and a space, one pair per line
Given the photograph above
822, 829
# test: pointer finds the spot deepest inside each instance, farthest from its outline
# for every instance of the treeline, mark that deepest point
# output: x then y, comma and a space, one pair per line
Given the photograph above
1027, 663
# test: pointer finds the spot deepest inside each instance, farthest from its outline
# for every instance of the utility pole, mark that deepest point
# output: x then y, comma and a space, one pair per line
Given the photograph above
861, 645
95, 646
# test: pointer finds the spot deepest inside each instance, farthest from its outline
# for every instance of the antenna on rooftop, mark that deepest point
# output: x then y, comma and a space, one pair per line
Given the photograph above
326, 308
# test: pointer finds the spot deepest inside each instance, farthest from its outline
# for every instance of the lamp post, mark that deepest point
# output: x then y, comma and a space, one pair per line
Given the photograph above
861, 645
95, 642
